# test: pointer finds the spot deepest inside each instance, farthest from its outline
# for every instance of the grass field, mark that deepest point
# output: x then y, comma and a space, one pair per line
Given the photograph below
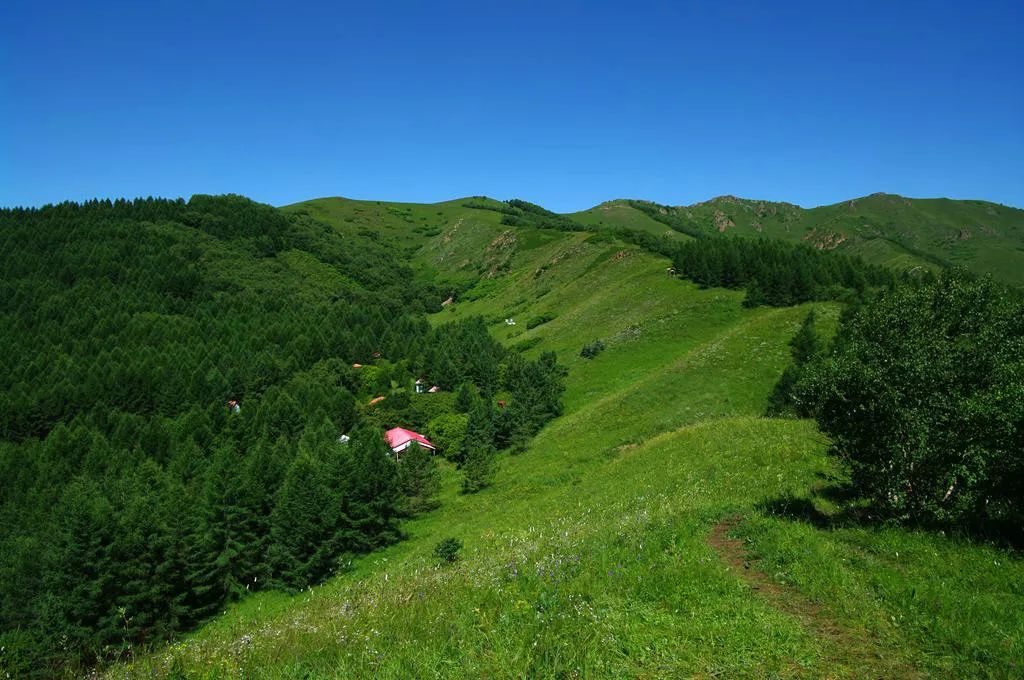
659, 528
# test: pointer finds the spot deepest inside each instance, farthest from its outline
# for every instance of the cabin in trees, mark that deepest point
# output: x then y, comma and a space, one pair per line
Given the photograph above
421, 387
400, 439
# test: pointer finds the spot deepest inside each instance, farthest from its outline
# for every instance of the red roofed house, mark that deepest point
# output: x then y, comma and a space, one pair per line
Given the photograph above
399, 439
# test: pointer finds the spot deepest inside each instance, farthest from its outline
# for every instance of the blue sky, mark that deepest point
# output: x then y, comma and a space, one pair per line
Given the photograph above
563, 103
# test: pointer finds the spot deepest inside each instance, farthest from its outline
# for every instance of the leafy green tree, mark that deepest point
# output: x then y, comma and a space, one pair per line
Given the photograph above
447, 433
921, 395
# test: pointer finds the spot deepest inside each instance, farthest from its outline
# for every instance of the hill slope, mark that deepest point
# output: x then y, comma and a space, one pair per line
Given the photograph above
600, 550
895, 231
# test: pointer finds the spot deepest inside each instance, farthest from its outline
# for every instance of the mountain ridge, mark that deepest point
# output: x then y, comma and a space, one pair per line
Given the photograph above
904, 234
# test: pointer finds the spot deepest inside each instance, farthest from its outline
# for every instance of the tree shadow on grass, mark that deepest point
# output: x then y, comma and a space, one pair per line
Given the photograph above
835, 504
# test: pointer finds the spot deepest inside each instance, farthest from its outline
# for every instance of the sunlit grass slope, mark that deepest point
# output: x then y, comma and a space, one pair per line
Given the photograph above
619, 214
896, 231
588, 557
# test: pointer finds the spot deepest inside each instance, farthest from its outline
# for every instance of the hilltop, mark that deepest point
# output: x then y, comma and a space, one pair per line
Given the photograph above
895, 231
903, 234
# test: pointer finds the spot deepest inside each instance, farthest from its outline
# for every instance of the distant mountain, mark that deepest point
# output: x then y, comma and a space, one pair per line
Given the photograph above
887, 229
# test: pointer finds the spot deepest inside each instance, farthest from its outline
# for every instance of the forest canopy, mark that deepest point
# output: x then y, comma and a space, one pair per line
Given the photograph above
159, 350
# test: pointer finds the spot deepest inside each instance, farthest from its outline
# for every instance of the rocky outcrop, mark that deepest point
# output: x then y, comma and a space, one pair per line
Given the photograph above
829, 240
722, 221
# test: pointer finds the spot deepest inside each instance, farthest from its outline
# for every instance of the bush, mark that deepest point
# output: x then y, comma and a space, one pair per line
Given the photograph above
804, 347
538, 320
448, 550
592, 349
923, 396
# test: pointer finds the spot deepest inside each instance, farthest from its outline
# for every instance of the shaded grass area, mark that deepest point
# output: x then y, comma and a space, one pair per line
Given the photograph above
959, 598
843, 644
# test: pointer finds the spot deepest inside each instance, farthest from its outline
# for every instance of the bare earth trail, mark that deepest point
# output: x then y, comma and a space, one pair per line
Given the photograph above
847, 652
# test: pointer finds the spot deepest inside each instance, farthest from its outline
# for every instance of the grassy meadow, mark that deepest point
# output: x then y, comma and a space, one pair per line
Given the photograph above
590, 555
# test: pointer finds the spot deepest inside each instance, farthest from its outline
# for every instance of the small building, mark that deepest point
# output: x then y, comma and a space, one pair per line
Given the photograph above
233, 406
420, 385
434, 389
376, 400
400, 439
447, 302
357, 365
344, 439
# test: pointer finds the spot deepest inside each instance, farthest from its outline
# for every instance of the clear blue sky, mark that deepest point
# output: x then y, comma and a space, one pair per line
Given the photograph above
562, 103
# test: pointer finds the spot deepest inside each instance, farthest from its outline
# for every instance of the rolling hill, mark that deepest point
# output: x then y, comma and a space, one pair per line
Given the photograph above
661, 527
898, 232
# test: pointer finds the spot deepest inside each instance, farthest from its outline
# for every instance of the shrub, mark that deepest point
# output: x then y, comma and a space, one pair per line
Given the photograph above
923, 396
592, 349
448, 550
535, 321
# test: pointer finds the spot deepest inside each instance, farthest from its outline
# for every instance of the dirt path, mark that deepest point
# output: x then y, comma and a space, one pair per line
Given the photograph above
847, 652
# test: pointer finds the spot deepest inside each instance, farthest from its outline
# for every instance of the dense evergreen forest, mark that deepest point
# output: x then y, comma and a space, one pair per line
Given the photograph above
175, 379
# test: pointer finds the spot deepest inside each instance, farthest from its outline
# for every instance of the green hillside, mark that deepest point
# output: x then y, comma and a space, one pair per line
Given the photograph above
221, 351
902, 233
620, 214
660, 527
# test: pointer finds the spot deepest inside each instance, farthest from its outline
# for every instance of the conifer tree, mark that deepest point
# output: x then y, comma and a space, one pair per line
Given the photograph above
81, 571
297, 528
418, 480
373, 493
755, 296
465, 398
805, 345
479, 468
480, 428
